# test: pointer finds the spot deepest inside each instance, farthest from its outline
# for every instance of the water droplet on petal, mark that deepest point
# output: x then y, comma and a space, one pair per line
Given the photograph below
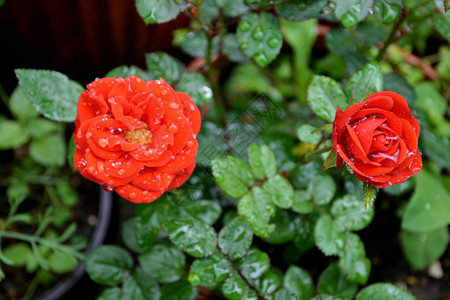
103, 142
132, 195
121, 172
107, 188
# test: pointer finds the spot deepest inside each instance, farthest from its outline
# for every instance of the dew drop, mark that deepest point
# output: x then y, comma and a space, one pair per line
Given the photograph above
243, 46
173, 105
88, 135
349, 19
257, 33
427, 206
103, 142
301, 6
274, 42
107, 188
132, 195
121, 172
244, 25
261, 59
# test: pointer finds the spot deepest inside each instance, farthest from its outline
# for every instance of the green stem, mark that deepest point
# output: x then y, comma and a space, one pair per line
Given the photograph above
390, 39
35, 239
313, 154
4, 96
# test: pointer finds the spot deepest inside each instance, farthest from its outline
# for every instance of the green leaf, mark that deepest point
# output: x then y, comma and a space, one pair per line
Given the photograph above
192, 236
61, 262
369, 195
12, 134
268, 283
442, 24
330, 160
324, 96
140, 286
305, 134
422, 248
340, 41
231, 49
429, 207
259, 36
368, 78
350, 213
17, 192
18, 254
262, 161
322, 189
400, 188
351, 12
232, 175
333, 282
207, 211
353, 261
284, 228
328, 237
195, 43
383, 291
304, 227
234, 287
284, 294
300, 10
398, 84
196, 86
235, 238
129, 236
21, 108
435, 147
232, 8
180, 290
51, 93
324, 297
370, 34
163, 65
302, 202
127, 71
163, 262
209, 271
299, 282
257, 207
113, 293
41, 128
158, 11
108, 264
71, 153
430, 100
387, 11
280, 190
254, 264
49, 151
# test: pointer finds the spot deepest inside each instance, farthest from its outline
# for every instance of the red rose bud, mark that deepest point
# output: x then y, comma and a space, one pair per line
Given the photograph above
136, 137
378, 138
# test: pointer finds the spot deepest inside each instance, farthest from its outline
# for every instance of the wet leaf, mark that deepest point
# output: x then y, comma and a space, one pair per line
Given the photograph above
12, 134
163, 65
269, 283
422, 248
192, 236
284, 228
350, 213
257, 207
254, 264
351, 12
382, 291
294, 10
158, 11
280, 190
235, 238
180, 290
328, 237
324, 96
196, 86
302, 202
368, 78
299, 282
259, 36
427, 210
353, 261
232, 175
387, 11
140, 286
51, 93
305, 134
340, 41
163, 262
20, 106
322, 189
333, 282
108, 264
49, 151
209, 271
262, 161
234, 287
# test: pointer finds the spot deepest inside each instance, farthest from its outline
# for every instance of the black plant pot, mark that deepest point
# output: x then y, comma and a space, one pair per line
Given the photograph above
104, 215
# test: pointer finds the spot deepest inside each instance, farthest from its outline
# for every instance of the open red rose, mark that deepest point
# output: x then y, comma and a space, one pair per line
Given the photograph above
378, 139
136, 137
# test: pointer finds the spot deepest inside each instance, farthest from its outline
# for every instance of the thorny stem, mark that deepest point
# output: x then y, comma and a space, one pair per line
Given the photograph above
313, 154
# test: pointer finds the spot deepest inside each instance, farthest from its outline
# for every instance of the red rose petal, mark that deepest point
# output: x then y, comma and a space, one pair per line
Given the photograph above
355, 147
379, 101
161, 140
409, 135
161, 161
152, 180
392, 120
102, 152
123, 167
340, 152
184, 158
90, 106
102, 86
343, 118
119, 89
370, 170
137, 195
181, 177
154, 113
136, 85
365, 131
175, 119
118, 112
191, 112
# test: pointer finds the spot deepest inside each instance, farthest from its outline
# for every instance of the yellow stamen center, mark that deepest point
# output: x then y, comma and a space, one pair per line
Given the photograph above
140, 136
